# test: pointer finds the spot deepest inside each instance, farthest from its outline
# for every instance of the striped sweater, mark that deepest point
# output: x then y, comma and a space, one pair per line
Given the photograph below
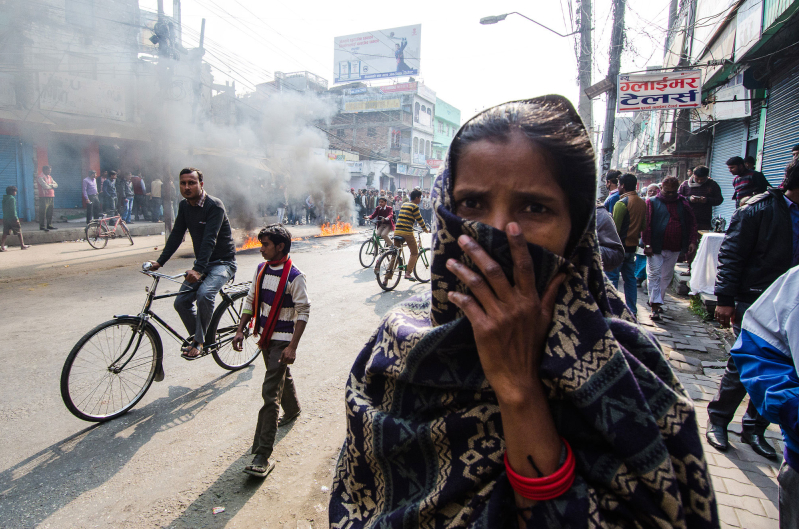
408, 215
296, 305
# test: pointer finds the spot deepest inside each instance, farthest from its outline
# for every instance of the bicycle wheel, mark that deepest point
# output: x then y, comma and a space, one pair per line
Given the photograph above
126, 231
223, 327
388, 277
422, 267
368, 253
94, 236
109, 370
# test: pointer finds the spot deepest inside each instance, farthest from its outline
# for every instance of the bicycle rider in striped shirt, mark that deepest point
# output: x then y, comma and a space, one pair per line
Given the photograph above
409, 214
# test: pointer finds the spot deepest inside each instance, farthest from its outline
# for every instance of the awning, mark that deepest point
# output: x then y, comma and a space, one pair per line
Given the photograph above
105, 128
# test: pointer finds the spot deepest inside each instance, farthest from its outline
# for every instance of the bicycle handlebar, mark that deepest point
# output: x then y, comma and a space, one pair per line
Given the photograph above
152, 273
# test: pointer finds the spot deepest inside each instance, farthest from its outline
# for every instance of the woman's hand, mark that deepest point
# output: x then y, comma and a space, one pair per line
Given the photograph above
510, 322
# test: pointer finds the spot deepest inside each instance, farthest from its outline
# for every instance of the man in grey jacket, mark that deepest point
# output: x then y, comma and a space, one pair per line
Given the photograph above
610, 245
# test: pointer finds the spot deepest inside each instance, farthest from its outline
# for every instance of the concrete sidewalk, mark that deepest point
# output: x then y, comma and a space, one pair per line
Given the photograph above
74, 230
745, 483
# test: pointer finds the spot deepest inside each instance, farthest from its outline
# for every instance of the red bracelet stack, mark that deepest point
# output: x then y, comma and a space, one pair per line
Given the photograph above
546, 488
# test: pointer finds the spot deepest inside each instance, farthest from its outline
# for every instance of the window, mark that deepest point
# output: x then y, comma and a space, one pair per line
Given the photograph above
396, 135
371, 132
340, 133
427, 149
416, 112
415, 145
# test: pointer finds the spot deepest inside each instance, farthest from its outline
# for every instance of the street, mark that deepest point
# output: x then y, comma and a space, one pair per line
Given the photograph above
180, 452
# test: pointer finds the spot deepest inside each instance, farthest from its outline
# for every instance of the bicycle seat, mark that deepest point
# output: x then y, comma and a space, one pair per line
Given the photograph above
399, 238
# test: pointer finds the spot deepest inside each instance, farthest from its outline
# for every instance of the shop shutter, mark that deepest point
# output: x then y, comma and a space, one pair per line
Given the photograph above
729, 140
782, 125
754, 121
65, 162
8, 167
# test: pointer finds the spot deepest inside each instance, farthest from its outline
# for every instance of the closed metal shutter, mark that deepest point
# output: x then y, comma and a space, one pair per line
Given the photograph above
729, 140
8, 168
65, 161
754, 121
782, 125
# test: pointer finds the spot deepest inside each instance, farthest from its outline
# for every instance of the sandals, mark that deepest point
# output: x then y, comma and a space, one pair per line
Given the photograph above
409, 278
186, 349
260, 467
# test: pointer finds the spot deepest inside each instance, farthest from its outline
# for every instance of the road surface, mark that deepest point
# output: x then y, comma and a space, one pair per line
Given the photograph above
179, 453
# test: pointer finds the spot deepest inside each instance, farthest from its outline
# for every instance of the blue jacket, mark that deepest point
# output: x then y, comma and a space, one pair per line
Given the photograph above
767, 356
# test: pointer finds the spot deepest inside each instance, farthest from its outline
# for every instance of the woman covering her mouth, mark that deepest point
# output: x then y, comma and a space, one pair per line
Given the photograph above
519, 391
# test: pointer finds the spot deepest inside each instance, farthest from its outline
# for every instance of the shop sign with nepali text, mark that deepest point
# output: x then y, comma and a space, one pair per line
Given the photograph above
660, 91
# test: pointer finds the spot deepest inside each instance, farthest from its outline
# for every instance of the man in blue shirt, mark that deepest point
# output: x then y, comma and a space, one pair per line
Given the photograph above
767, 356
612, 183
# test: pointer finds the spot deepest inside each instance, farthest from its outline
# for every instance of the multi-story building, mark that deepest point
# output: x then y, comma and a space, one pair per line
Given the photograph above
750, 86
447, 122
78, 88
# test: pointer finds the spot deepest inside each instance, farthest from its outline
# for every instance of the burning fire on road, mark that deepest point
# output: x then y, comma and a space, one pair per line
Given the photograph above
253, 242
339, 228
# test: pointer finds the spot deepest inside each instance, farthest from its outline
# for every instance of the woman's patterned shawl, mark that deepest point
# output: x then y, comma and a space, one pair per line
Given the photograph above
424, 444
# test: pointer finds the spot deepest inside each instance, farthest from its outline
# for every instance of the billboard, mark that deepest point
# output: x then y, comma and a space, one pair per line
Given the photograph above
660, 91
378, 54
372, 106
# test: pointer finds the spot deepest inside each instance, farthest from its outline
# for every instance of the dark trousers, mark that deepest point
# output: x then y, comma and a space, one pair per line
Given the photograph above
732, 392
789, 492
45, 212
278, 391
93, 208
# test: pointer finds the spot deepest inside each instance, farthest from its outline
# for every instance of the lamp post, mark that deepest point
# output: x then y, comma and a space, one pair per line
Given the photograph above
499, 18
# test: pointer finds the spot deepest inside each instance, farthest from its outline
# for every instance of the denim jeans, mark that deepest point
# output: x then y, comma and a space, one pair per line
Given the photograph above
128, 209
204, 293
789, 491
640, 267
630, 286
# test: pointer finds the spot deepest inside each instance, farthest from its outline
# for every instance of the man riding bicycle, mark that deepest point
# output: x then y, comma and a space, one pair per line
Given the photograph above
410, 214
205, 218
385, 221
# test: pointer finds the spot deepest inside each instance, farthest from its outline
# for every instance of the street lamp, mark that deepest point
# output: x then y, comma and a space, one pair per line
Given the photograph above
498, 18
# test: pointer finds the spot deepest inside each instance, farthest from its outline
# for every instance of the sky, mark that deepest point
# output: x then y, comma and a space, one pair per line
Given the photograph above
469, 65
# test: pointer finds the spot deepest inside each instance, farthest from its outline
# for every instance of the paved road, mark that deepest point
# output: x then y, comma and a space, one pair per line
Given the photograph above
180, 452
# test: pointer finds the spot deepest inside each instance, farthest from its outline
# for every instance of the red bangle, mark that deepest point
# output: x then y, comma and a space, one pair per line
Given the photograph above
548, 487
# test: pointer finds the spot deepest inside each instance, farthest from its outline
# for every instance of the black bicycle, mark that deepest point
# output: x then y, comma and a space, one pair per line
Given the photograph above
391, 264
373, 246
112, 366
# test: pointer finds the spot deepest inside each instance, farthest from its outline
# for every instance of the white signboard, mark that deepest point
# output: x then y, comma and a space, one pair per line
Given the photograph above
749, 21
660, 91
379, 54
77, 95
732, 101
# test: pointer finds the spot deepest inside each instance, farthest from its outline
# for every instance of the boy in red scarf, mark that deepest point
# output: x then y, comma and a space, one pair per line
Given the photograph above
278, 306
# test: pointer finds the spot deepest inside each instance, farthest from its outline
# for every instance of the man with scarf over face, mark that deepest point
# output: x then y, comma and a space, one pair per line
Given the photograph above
670, 229
278, 303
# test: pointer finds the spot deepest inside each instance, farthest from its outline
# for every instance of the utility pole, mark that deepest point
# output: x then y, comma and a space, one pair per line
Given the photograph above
584, 104
616, 45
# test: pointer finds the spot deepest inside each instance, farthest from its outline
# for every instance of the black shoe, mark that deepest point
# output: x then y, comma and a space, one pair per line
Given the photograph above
51, 228
43, 228
759, 444
287, 419
717, 437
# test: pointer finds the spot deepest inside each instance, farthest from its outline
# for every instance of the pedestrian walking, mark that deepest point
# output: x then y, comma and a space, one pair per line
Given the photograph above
11, 224
612, 183
610, 247
278, 303
91, 197
629, 217
767, 356
110, 193
670, 230
204, 217
703, 193
140, 194
761, 244
519, 391
746, 182
47, 187
129, 196
156, 204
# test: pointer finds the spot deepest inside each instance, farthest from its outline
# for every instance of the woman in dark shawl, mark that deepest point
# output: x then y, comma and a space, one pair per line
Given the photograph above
518, 344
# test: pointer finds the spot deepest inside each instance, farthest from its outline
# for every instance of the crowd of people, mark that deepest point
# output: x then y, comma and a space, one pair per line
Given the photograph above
366, 200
